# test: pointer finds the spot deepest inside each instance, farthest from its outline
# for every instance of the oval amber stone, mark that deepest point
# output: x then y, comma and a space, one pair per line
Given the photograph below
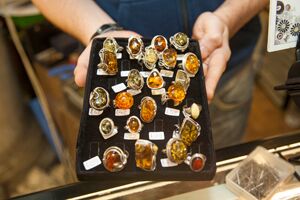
110, 59
112, 161
109, 44
106, 127
170, 57
148, 109
160, 43
178, 151
155, 80
134, 46
192, 64
99, 98
197, 164
181, 39
124, 100
133, 125
176, 92
150, 56
135, 80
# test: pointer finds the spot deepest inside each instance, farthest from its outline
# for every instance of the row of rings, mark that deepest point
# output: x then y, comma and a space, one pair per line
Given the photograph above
115, 159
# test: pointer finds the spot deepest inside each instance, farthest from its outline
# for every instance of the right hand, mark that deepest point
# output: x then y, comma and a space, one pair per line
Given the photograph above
80, 70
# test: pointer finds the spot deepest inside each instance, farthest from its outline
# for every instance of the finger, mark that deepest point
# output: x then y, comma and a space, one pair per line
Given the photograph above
217, 65
80, 70
210, 42
205, 66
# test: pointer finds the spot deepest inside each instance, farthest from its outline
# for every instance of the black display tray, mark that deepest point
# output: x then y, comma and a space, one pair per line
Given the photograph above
90, 142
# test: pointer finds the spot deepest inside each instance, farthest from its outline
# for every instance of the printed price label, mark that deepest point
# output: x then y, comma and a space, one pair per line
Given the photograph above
134, 92
124, 73
180, 57
172, 112
100, 72
94, 112
131, 136
165, 162
159, 91
122, 112
119, 87
145, 74
91, 163
166, 73
119, 55
157, 135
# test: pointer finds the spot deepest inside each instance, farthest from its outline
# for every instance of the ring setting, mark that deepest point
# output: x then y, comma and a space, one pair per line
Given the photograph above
135, 80
99, 98
135, 47
196, 162
148, 109
145, 155
180, 41
114, 159
134, 125
107, 128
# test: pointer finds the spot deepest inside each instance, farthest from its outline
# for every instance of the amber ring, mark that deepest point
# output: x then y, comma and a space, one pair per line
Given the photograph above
189, 131
135, 47
135, 80
196, 162
155, 80
114, 159
159, 43
123, 100
190, 64
148, 109
111, 45
108, 62
183, 77
145, 155
99, 98
107, 128
176, 150
180, 41
175, 92
149, 58
168, 58
192, 111
134, 124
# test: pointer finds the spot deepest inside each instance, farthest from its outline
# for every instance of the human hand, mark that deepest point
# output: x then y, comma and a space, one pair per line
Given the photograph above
83, 60
213, 36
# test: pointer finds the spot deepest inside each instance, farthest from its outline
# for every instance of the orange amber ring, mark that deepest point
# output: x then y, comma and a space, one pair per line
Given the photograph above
168, 58
155, 80
135, 80
135, 47
108, 62
180, 41
175, 92
114, 159
123, 100
196, 162
148, 109
159, 43
107, 128
134, 124
176, 150
190, 64
99, 98
145, 155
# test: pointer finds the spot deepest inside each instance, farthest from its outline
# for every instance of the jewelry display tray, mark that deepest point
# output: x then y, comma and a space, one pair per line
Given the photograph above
90, 142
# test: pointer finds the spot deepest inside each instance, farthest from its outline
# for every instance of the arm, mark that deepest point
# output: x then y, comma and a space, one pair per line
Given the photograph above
213, 30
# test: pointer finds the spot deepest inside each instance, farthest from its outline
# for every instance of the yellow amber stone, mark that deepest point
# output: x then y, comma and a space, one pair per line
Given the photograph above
134, 45
155, 80
176, 92
150, 56
178, 151
192, 64
134, 125
170, 57
148, 109
181, 39
110, 45
109, 62
189, 131
160, 43
145, 155
123, 100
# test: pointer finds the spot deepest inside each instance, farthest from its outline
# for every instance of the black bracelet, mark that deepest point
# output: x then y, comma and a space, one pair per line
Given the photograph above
106, 28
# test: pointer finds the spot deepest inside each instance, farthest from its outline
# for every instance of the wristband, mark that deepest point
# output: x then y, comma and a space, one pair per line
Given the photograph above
106, 28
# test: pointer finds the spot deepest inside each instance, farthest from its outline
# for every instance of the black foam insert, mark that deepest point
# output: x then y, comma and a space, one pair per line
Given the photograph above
90, 142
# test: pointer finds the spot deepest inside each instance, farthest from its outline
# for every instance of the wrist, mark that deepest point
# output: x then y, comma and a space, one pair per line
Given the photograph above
105, 28
223, 17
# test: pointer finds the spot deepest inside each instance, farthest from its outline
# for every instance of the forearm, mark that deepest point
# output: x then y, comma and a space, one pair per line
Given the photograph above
80, 18
236, 13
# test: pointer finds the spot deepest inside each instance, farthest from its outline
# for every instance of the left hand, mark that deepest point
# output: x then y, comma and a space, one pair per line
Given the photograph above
213, 36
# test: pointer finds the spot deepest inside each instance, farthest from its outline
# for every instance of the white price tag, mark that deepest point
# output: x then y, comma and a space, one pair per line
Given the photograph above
134, 92
91, 163
131, 136
101, 72
156, 135
165, 162
122, 112
119, 55
172, 112
166, 73
145, 74
119, 87
159, 91
180, 57
124, 73
94, 112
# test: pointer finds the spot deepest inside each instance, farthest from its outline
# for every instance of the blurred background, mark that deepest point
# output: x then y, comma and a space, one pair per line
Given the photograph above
40, 104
